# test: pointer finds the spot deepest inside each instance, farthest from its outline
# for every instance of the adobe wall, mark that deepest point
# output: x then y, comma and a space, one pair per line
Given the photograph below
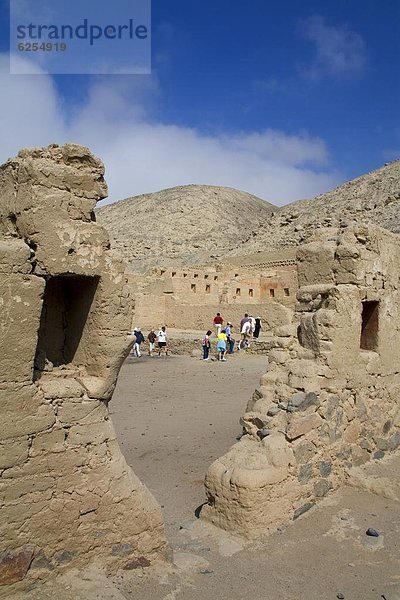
330, 400
189, 298
67, 495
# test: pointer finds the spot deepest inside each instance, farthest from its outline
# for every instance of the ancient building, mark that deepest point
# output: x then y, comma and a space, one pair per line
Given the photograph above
329, 401
264, 284
67, 495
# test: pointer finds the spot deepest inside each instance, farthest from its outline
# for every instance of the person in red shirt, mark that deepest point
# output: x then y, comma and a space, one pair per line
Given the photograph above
218, 320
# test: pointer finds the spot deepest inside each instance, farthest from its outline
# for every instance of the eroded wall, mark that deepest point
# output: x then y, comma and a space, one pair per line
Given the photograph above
67, 495
188, 298
329, 401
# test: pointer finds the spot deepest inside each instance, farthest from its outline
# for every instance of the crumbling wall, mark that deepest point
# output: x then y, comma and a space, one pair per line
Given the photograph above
188, 298
329, 401
185, 316
67, 495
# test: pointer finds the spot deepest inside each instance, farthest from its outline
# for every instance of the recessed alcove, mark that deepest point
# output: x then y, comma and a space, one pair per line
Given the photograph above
369, 325
66, 305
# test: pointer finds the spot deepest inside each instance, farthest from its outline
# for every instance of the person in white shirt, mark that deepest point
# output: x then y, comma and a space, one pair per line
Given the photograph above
245, 335
162, 341
253, 325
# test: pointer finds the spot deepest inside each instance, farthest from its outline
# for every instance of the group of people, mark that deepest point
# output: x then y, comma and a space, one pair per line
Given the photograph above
152, 338
249, 329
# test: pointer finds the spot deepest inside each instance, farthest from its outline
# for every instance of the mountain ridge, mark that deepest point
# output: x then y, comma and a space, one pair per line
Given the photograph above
199, 224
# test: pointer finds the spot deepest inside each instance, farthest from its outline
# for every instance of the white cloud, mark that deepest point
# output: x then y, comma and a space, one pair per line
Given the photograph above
338, 50
143, 155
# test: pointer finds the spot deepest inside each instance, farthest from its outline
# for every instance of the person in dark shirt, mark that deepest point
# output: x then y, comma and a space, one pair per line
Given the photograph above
257, 327
139, 339
151, 338
218, 320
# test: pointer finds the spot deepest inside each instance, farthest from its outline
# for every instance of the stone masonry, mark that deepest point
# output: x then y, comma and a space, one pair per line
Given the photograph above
67, 495
329, 401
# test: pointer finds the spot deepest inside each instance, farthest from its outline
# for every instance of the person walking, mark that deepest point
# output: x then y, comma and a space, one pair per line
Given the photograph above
245, 335
162, 341
230, 340
151, 338
206, 344
221, 345
257, 327
253, 325
218, 320
139, 339
246, 319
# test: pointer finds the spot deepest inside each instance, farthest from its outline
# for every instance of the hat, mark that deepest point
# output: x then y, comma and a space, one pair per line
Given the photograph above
229, 323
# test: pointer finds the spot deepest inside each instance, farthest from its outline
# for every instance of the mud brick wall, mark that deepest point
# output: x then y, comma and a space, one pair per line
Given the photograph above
67, 495
330, 400
189, 298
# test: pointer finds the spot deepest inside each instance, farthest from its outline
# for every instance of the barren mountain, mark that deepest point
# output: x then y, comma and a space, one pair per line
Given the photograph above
197, 224
190, 224
374, 197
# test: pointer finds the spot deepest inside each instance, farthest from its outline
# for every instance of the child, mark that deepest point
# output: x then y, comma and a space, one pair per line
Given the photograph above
221, 345
206, 344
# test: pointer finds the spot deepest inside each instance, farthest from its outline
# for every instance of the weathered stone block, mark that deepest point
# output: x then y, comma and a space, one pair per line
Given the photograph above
359, 456
15, 490
49, 441
301, 424
14, 565
395, 441
13, 453
382, 444
70, 413
305, 473
278, 453
303, 450
387, 426
328, 408
321, 488
308, 333
93, 433
302, 400
302, 509
325, 468
378, 455
61, 388
278, 356
352, 432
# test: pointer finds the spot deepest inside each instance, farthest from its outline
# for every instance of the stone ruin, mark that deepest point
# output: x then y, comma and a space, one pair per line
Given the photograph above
330, 400
263, 284
67, 495
328, 403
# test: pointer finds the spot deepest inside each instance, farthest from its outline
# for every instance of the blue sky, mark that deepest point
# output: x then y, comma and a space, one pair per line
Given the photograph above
282, 99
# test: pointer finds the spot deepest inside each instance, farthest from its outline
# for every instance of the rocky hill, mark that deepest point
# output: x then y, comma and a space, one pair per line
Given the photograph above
374, 197
184, 225
197, 224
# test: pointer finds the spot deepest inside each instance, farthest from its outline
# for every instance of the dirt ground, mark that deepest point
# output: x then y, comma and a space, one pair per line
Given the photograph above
173, 416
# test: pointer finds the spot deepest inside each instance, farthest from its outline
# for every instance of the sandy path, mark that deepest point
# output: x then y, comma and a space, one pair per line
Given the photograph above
174, 415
